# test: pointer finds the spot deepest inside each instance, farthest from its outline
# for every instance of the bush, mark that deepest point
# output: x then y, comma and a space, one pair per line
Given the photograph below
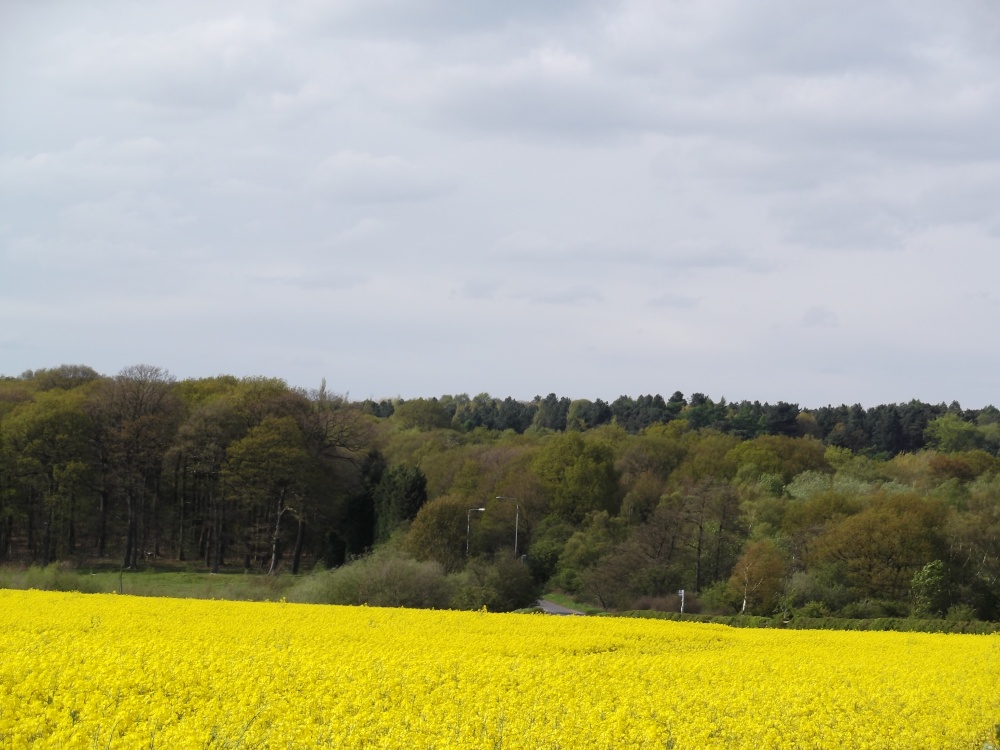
384, 578
501, 585
961, 613
813, 609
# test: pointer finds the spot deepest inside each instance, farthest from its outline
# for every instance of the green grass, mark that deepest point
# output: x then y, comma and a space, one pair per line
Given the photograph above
168, 583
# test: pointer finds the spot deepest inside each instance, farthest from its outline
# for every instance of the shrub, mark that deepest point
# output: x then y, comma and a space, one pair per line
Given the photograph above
383, 579
501, 585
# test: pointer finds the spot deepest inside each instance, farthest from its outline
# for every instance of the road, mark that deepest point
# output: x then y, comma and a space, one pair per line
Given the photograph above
556, 609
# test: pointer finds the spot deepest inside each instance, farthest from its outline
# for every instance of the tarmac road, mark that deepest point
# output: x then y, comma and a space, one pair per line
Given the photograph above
556, 609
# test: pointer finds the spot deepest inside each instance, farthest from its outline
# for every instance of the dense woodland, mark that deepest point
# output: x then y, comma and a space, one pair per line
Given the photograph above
760, 508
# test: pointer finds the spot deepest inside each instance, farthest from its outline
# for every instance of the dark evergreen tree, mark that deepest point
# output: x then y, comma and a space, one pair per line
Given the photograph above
515, 415
400, 493
552, 412
781, 419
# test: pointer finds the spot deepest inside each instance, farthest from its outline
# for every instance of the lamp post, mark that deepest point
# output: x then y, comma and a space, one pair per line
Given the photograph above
468, 526
517, 517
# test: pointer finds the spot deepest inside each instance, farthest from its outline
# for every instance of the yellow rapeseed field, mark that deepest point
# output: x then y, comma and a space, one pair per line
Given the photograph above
106, 671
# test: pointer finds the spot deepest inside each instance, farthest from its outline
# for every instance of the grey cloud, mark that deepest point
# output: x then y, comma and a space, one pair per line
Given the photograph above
963, 196
365, 230
481, 289
584, 107
842, 221
205, 64
675, 301
432, 19
265, 168
322, 280
89, 164
677, 256
819, 316
357, 176
566, 296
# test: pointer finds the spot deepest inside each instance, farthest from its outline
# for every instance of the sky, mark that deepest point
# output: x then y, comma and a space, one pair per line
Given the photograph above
772, 200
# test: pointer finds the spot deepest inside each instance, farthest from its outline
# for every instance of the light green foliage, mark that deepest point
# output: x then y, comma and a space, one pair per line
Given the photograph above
928, 590
708, 457
269, 460
810, 483
950, 433
779, 455
578, 476
421, 414
382, 579
440, 532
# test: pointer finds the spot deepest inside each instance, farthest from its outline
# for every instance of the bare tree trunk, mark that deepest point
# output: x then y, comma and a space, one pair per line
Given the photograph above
246, 543
297, 556
219, 521
697, 561
207, 536
276, 539
47, 540
31, 531
180, 495
102, 523
154, 521
129, 534
71, 537
180, 530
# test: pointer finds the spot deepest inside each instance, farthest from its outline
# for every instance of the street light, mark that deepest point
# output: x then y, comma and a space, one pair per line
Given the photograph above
517, 517
468, 526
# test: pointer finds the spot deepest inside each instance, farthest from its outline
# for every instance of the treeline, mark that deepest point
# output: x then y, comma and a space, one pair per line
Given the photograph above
880, 431
749, 508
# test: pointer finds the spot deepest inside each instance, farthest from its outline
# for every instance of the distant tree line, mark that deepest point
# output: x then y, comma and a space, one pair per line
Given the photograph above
755, 508
883, 430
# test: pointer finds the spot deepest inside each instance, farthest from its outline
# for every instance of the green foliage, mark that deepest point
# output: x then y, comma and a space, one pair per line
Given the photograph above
382, 579
961, 613
882, 546
951, 433
421, 414
758, 577
898, 624
708, 457
501, 585
399, 495
578, 476
440, 532
874, 511
928, 590
783, 456
547, 545
595, 538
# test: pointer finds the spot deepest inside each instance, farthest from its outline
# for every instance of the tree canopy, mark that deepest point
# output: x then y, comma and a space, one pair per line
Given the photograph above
747, 506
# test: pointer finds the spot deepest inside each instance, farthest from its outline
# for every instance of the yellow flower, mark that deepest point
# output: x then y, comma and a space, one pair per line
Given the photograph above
85, 671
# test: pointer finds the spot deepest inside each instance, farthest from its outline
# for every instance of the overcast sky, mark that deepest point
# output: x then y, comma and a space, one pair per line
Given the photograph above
774, 200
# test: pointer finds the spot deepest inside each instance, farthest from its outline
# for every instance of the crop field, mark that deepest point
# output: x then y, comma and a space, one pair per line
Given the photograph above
107, 671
